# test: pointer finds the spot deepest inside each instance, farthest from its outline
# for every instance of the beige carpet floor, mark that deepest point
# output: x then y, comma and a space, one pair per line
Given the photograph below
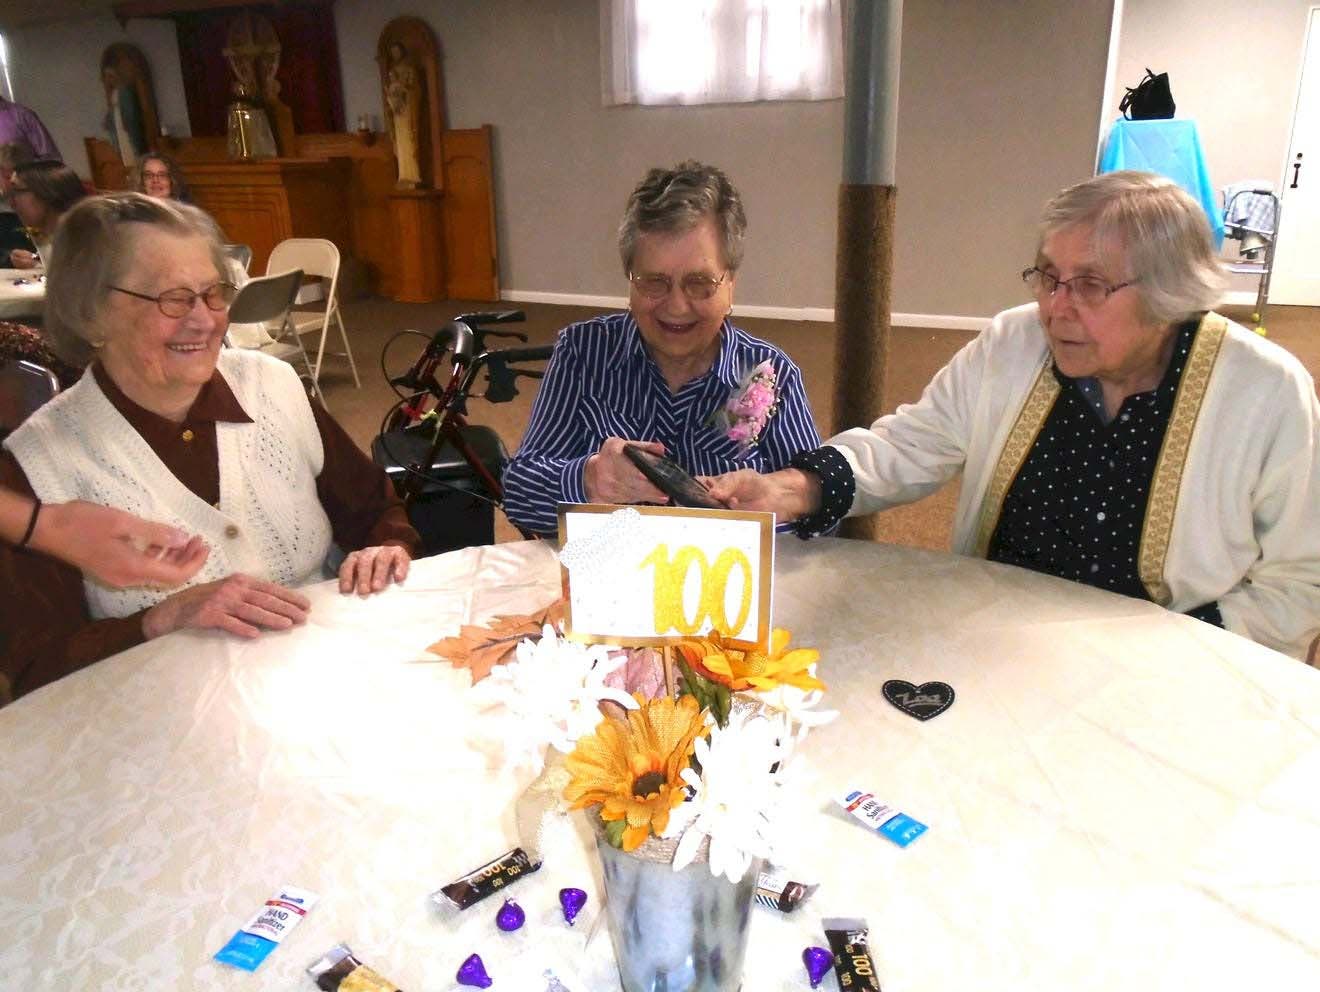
916, 354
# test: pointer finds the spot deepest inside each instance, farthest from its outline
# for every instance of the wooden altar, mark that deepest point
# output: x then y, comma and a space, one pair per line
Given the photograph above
263, 202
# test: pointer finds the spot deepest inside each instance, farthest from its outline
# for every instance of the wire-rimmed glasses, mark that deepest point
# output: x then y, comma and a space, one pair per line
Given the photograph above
178, 302
1087, 291
696, 286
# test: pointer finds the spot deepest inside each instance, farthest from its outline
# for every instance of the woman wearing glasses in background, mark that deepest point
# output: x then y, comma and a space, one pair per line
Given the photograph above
159, 175
660, 374
1115, 432
41, 192
221, 445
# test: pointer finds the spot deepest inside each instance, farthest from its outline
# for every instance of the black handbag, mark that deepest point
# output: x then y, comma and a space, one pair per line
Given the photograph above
1150, 100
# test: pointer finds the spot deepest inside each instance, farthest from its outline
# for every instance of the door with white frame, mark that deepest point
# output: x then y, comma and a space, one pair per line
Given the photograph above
1296, 276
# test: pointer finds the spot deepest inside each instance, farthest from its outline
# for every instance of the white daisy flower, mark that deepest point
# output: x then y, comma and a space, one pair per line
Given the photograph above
550, 695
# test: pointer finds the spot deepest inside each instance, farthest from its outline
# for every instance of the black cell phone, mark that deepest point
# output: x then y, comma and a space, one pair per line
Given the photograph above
671, 479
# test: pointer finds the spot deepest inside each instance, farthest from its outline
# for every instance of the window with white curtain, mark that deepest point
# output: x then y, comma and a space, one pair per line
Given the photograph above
721, 51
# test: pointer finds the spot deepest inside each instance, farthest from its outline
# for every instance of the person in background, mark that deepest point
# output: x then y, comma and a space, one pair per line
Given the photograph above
12, 235
41, 191
673, 374
223, 444
19, 123
158, 175
1115, 432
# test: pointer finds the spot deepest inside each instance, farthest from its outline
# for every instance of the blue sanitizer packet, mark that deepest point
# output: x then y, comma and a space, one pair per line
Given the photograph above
882, 818
260, 935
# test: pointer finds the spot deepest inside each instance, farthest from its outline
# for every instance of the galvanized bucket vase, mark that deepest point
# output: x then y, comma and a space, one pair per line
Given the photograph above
675, 931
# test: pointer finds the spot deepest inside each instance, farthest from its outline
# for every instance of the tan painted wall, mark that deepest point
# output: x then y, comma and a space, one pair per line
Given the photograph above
996, 115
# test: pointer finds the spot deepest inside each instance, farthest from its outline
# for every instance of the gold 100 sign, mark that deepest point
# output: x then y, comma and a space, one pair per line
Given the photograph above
671, 579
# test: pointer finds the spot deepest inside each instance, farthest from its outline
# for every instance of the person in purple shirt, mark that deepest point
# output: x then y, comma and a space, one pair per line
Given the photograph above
19, 123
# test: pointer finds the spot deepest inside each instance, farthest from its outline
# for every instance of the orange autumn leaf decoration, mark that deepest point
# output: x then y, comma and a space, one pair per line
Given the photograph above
480, 648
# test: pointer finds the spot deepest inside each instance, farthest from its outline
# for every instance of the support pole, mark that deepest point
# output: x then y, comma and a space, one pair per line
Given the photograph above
864, 262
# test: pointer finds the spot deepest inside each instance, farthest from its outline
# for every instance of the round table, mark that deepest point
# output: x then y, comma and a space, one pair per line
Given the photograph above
22, 294
1119, 797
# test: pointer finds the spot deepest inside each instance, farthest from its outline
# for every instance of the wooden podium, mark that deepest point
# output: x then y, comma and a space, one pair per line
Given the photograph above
419, 230
263, 202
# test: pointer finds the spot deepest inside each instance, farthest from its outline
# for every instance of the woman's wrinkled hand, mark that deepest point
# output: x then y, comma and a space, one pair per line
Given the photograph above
789, 493
372, 569
239, 604
21, 258
610, 477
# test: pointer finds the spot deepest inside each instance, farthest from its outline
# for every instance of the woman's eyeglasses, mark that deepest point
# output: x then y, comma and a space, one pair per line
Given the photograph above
179, 302
695, 286
1087, 291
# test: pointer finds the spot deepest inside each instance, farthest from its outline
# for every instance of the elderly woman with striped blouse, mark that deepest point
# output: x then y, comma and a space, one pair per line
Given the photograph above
1115, 432
672, 374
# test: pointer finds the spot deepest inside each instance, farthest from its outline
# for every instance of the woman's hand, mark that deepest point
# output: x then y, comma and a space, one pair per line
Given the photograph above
21, 258
372, 569
116, 547
788, 494
609, 476
239, 604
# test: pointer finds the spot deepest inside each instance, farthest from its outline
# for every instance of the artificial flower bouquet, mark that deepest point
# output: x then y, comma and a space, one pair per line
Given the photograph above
706, 760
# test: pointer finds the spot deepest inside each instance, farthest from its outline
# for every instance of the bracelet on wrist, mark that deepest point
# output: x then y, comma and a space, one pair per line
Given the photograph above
32, 523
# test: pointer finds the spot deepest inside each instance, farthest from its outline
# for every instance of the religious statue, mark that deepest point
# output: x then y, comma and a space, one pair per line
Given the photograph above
403, 114
253, 53
130, 108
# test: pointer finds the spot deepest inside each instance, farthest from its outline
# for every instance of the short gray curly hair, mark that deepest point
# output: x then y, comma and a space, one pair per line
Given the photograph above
675, 200
94, 249
1145, 228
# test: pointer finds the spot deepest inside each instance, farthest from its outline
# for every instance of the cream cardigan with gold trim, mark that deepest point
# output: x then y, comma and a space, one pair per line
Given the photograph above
1241, 518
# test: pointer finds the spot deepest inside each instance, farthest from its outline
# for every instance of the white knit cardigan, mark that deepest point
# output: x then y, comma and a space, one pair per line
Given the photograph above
269, 522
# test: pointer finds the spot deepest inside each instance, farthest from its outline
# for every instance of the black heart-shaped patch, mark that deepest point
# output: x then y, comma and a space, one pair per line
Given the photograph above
924, 701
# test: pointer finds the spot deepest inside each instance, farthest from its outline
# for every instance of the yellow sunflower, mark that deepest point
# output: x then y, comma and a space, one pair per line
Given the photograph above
632, 769
760, 670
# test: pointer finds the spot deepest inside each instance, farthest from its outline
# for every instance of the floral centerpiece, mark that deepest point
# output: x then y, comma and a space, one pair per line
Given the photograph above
681, 771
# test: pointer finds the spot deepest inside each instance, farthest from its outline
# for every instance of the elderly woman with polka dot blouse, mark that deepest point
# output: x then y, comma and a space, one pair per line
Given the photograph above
1115, 432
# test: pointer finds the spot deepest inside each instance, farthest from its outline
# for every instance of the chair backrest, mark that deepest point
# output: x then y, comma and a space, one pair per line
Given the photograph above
241, 254
315, 256
24, 386
265, 298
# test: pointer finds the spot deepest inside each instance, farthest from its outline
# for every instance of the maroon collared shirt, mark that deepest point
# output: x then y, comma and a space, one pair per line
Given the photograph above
46, 629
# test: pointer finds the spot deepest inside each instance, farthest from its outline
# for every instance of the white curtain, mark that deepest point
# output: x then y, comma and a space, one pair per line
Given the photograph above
720, 51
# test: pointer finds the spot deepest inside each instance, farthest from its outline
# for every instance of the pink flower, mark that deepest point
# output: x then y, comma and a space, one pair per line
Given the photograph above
745, 413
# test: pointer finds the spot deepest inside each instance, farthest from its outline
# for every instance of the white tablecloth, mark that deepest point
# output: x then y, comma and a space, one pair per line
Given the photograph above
1119, 797
21, 299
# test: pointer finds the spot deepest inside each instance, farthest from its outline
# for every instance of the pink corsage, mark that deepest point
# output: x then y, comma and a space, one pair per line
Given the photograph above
749, 407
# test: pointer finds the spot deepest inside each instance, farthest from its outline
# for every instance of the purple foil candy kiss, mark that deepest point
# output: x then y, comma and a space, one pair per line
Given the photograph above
818, 961
510, 917
473, 972
572, 900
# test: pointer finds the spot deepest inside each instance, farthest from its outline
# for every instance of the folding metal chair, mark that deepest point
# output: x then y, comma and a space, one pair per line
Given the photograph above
241, 254
24, 387
316, 257
267, 300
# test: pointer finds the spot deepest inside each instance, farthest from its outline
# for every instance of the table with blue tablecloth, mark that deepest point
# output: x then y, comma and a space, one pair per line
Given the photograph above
1170, 148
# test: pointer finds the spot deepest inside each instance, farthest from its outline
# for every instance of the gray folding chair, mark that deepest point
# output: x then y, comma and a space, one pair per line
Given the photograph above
24, 386
267, 300
241, 254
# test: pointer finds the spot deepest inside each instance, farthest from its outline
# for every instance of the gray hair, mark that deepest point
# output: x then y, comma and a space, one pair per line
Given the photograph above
1145, 228
94, 249
676, 200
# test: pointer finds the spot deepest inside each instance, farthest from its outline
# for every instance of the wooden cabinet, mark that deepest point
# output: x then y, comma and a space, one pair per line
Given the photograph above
261, 203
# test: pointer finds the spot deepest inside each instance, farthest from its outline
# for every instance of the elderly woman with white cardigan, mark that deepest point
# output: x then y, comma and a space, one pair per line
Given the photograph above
165, 425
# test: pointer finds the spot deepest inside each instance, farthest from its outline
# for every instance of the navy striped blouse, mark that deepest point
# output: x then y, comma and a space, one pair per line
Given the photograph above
601, 383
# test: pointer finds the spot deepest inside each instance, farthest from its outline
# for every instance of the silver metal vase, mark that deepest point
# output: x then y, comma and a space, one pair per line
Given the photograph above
675, 931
